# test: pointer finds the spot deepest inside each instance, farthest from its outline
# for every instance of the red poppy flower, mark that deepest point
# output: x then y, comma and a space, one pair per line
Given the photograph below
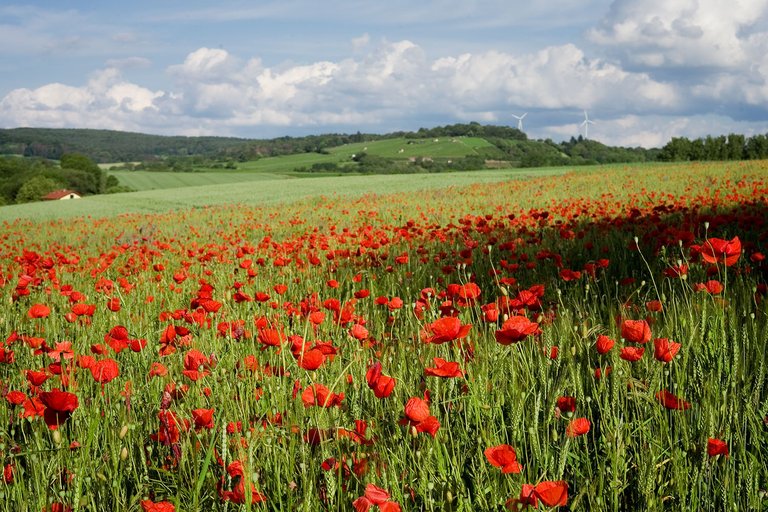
310, 359
15, 397
59, 406
170, 427
515, 329
552, 494
467, 293
376, 495
196, 365
577, 427
236, 474
676, 271
158, 370
203, 418
670, 401
445, 329
157, 506
490, 312
61, 350
417, 415
665, 350
566, 403
716, 250
527, 497
632, 354
104, 371
604, 344
443, 368
321, 396
416, 409
569, 275
382, 385
712, 287
113, 304
503, 456
36, 378
358, 332
430, 426
39, 311
654, 306
636, 331
117, 338
717, 447
271, 337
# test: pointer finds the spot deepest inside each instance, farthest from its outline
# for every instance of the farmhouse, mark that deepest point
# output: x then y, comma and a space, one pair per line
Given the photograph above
61, 194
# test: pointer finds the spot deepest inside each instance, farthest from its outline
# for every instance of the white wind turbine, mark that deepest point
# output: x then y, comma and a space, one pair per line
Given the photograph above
520, 120
586, 124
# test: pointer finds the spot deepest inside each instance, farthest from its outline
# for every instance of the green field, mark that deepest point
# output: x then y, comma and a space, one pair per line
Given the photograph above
282, 167
443, 147
145, 180
458, 342
253, 189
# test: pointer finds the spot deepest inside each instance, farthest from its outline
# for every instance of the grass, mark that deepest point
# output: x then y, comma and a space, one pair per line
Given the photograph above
283, 166
254, 190
144, 180
443, 147
284, 258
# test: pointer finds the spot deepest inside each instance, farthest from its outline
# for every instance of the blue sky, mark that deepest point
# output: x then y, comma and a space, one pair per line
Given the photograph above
645, 70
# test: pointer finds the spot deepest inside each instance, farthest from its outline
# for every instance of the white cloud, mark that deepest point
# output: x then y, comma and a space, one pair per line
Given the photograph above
205, 64
106, 101
683, 33
553, 78
359, 43
393, 85
653, 130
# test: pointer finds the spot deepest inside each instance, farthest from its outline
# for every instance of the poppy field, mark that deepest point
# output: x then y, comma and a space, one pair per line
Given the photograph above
589, 341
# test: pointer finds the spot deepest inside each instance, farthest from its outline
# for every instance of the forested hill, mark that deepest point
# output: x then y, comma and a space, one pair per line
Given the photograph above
509, 144
108, 145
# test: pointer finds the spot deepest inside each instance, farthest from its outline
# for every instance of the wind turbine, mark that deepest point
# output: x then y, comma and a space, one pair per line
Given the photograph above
520, 120
586, 124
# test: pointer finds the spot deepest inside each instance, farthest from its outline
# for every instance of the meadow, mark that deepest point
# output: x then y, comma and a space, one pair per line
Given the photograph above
283, 167
591, 340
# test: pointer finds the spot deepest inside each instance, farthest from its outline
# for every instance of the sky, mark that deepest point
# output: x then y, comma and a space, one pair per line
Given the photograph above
644, 71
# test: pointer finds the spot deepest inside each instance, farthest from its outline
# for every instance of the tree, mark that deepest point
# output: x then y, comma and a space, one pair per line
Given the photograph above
96, 183
79, 162
735, 146
35, 188
676, 150
757, 147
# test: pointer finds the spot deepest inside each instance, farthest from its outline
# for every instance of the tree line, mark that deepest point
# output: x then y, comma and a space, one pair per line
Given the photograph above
24, 180
731, 147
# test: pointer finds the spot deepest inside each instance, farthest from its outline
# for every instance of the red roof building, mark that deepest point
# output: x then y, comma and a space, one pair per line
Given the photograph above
61, 194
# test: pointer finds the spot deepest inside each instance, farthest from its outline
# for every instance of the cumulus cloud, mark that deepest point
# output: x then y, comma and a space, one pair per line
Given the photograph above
553, 78
105, 101
654, 130
391, 85
684, 33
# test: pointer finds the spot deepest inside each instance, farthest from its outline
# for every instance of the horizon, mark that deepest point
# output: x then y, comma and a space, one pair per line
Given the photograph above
313, 134
644, 71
